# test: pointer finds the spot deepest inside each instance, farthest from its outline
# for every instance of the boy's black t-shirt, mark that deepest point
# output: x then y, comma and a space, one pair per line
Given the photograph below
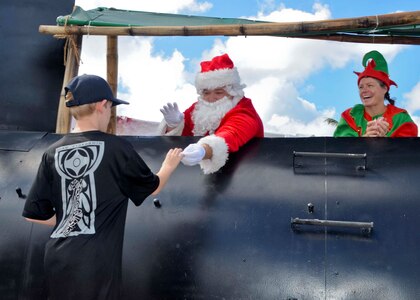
86, 179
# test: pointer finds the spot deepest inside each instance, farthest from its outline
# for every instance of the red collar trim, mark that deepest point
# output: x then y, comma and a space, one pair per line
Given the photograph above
350, 121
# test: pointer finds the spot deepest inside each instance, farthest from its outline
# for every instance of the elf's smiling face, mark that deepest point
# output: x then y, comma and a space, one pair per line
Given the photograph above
371, 92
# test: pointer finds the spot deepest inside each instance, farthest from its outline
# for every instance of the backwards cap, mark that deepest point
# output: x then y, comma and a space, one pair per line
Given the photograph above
90, 89
376, 67
217, 73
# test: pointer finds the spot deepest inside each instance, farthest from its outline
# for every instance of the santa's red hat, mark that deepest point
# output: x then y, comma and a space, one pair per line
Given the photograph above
216, 73
375, 67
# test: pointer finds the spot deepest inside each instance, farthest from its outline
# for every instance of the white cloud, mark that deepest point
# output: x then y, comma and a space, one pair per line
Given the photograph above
288, 126
284, 14
417, 121
162, 6
413, 103
413, 98
274, 69
146, 81
153, 80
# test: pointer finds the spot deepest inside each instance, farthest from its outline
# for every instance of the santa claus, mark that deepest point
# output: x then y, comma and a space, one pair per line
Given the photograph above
222, 115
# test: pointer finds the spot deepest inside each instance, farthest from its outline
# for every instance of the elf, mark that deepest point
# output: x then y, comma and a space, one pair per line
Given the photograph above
373, 118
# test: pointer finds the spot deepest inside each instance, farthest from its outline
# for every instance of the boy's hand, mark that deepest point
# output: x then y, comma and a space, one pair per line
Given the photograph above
173, 158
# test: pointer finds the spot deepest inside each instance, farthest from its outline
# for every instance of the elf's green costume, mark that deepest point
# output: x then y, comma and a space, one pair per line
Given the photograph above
354, 120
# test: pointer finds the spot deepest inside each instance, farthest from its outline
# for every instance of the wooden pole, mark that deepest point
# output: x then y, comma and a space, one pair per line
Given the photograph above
288, 29
74, 46
400, 40
112, 77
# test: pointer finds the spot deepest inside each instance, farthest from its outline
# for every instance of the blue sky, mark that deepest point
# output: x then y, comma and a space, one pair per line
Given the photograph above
294, 83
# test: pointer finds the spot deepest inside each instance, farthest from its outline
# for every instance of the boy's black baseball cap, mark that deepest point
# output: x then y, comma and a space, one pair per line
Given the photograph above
90, 89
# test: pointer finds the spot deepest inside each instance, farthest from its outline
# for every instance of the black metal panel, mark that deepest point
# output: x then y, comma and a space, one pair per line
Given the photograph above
13, 232
386, 263
19, 140
32, 64
229, 235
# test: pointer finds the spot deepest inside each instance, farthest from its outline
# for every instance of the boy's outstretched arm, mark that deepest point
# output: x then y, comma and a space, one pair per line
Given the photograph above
172, 159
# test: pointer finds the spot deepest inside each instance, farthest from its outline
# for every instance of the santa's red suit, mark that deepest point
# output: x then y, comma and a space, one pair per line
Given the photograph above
237, 127
226, 124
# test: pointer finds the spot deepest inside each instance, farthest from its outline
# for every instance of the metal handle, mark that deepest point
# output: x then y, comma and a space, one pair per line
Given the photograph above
331, 223
331, 155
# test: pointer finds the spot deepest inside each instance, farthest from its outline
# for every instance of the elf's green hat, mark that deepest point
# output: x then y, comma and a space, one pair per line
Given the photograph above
376, 67
379, 59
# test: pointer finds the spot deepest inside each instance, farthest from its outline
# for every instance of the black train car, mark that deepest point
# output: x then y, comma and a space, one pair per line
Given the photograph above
286, 218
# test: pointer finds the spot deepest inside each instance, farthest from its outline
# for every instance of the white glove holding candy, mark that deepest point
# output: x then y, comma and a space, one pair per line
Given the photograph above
193, 154
173, 117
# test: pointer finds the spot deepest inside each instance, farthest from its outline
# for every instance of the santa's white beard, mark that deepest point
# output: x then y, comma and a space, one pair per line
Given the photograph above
207, 116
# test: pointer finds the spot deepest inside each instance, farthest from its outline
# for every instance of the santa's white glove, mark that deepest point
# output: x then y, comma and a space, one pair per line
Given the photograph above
173, 117
193, 154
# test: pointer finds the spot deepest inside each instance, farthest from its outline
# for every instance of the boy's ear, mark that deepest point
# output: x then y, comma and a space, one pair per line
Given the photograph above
101, 105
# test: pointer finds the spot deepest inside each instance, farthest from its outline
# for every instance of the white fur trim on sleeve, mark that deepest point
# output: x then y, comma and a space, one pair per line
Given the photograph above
174, 132
220, 153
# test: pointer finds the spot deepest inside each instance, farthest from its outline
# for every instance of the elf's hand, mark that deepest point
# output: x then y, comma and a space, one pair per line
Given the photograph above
372, 129
193, 154
383, 126
173, 117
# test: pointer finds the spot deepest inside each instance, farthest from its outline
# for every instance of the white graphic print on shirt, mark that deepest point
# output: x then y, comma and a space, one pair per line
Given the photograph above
76, 165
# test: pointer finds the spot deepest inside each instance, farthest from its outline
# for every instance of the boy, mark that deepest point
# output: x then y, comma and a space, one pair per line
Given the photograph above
82, 189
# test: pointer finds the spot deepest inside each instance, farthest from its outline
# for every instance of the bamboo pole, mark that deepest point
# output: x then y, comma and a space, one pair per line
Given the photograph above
365, 39
295, 29
112, 77
74, 44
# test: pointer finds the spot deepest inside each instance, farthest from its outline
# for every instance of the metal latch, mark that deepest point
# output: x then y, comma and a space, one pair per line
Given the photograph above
331, 155
367, 226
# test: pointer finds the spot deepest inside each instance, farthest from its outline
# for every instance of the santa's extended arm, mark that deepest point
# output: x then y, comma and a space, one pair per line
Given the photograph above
236, 128
239, 126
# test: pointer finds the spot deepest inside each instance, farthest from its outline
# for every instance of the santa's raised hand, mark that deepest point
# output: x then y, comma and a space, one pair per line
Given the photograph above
173, 117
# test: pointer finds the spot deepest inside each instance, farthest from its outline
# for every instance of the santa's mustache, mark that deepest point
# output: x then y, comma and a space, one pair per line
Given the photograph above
207, 115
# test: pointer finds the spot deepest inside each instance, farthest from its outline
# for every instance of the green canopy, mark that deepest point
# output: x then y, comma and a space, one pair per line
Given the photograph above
396, 28
103, 16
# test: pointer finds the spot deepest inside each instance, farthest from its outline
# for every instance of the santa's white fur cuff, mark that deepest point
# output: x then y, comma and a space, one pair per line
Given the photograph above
177, 131
220, 153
